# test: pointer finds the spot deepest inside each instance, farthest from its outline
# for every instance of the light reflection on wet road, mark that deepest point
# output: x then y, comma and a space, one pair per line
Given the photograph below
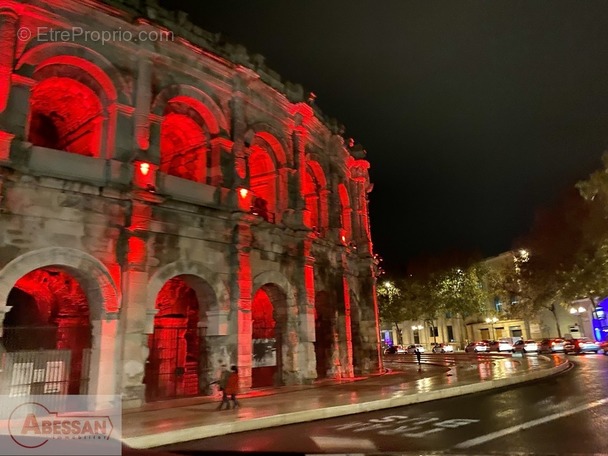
566, 414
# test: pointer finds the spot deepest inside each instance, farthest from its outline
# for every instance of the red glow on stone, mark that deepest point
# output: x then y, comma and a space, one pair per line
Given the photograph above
262, 319
65, 115
144, 168
264, 335
183, 142
172, 370
145, 175
345, 213
263, 177
50, 311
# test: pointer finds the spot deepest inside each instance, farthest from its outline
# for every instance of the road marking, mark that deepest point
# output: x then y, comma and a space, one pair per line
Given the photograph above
529, 424
328, 443
404, 426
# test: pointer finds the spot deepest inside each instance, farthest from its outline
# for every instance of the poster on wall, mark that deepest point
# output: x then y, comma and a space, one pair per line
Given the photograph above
264, 352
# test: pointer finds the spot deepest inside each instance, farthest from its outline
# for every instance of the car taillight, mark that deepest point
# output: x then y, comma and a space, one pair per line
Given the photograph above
552, 343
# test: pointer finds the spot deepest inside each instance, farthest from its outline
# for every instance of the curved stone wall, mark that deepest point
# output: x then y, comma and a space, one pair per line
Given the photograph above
179, 158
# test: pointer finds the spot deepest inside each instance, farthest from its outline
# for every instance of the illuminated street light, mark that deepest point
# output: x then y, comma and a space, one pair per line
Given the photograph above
417, 328
578, 312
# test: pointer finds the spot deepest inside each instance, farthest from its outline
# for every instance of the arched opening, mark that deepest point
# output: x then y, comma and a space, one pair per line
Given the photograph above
268, 321
65, 115
177, 363
47, 334
345, 214
262, 178
311, 192
183, 141
326, 336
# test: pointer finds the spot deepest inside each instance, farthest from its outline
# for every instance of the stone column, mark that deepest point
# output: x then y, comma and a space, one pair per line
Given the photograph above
349, 368
105, 360
241, 284
366, 345
142, 102
239, 128
306, 305
300, 137
8, 36
137, 315
220, 147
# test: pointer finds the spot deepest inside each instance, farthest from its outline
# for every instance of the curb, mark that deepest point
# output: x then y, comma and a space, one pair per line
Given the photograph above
214, 430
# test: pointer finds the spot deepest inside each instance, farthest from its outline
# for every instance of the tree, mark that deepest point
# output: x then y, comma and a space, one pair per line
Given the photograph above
390, 306
568, 245
462, 290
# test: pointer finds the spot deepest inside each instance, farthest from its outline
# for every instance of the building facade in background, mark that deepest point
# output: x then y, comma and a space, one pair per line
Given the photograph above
579, 319
169, 205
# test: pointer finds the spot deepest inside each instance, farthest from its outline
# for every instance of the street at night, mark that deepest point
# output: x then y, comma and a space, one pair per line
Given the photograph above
309, 227
563, 414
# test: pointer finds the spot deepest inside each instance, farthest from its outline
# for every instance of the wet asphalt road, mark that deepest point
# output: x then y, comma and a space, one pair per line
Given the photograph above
564, 415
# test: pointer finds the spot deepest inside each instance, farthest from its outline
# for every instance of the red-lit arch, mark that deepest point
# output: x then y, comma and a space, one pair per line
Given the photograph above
178, 352
184, 140
66, 115
315, 195
47, 57
208, 110
345, 212
50, 311
263, 177
72, 103
268, 329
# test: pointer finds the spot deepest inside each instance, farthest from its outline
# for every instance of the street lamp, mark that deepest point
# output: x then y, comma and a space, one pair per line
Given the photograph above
491, 322
578, 312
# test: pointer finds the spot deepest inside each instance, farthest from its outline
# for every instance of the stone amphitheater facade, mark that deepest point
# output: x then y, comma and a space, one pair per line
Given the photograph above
169, 205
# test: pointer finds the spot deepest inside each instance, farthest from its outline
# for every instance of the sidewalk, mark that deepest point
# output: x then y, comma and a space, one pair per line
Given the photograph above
440, 377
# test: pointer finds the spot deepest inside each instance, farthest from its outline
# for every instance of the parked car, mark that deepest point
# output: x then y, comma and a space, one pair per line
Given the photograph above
581, 345
395, 350
443, 348
501, 345
476, 347
392, 350
412, 348
604, 347
525, 346
552, 346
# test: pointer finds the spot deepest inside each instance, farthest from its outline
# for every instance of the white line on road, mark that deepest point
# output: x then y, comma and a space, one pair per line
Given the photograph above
529, 424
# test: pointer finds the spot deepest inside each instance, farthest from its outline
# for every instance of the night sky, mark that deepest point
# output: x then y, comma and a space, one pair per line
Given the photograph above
474, 114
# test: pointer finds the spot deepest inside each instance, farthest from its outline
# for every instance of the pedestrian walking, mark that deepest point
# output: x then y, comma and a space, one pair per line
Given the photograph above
222, 383
232, 387
418, 356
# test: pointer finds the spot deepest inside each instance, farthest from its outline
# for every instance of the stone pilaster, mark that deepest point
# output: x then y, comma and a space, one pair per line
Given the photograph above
306, 305
137, 316
241, 291
239, 129
142, 102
